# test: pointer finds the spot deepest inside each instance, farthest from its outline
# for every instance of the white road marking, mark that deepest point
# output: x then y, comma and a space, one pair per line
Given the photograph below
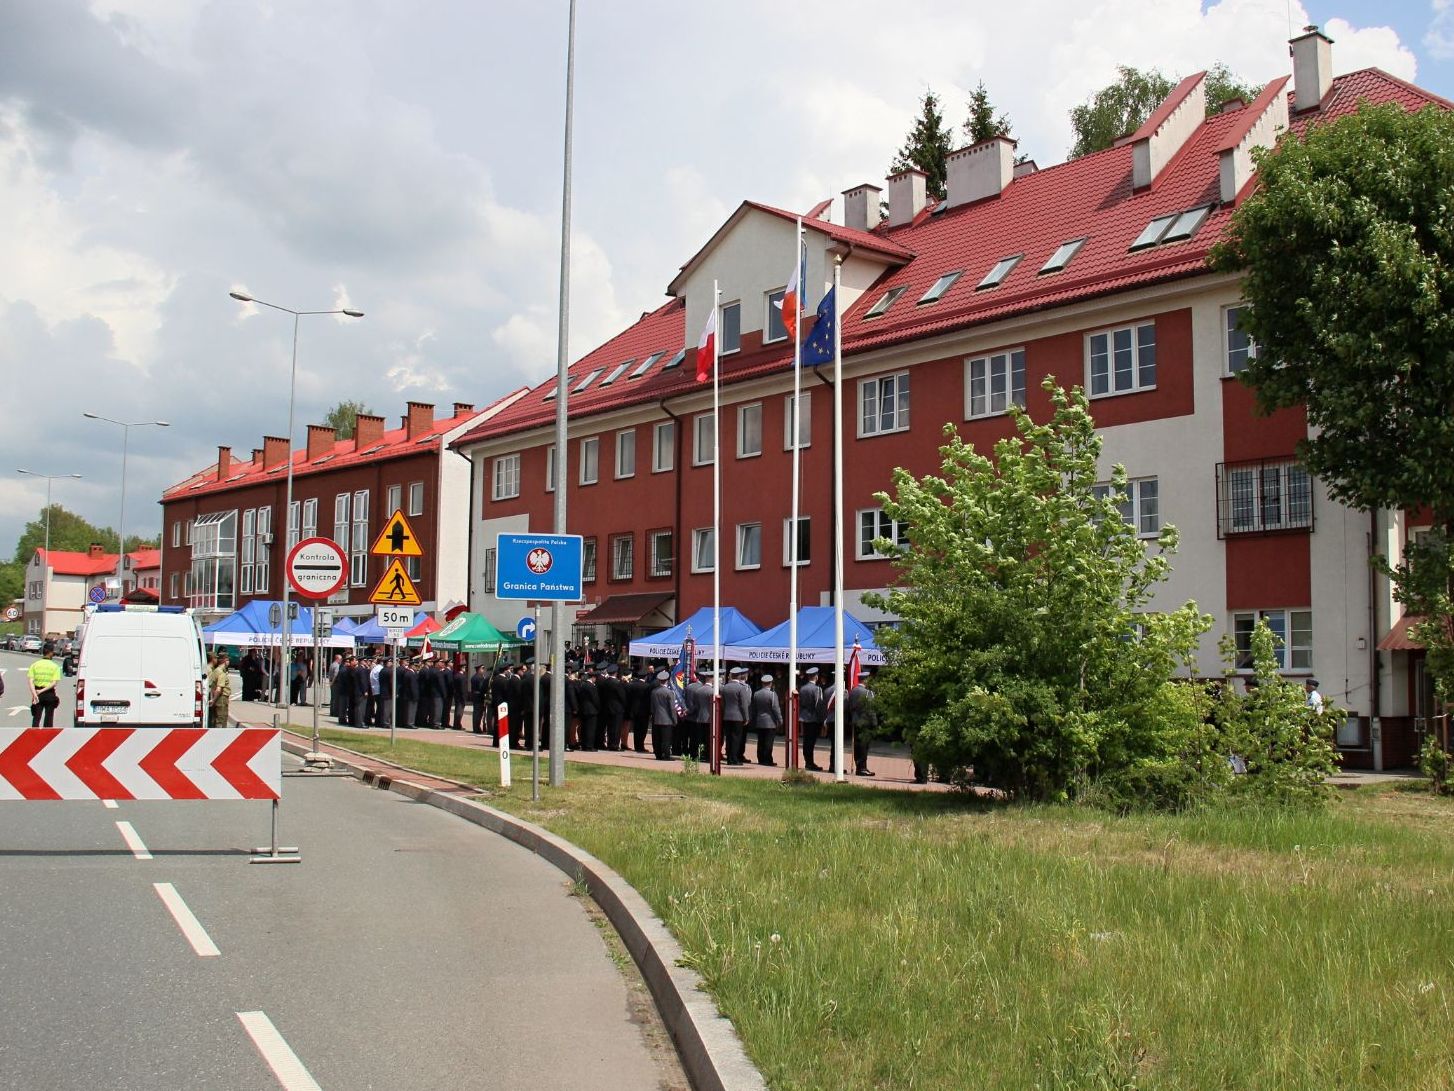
191, 927
133, 842
279, 1055
109, 804
18, 709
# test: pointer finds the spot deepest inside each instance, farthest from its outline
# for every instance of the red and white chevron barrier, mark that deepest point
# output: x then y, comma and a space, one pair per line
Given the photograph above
140, 763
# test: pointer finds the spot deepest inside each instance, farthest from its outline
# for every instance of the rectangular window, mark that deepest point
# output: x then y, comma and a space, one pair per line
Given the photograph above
293, 512
1259, 497
663, 446
995, 383
490, 570
261, 571
883, 404
996, 276
191, 523
804, 538
176, 540
731, 328
172, 583
773, 327
1293, 630
626, 453
550, 468
939, 287
310, 517
416, 498
1139, 505
588, 560
645, 365
885, 301
704, 550
393, 499
622, 556
358, 561
1123, 360
1061, 258
249, 550
414, 568
661, 552
749, 545
506, 477
590, 460
704, 439
749, 430
805, 422
340, 519
1240, 347
873, 524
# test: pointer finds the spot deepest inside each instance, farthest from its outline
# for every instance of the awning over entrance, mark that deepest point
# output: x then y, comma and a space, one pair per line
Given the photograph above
1399, 639
627, 609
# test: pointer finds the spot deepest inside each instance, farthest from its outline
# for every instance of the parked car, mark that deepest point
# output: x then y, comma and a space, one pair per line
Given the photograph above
30, 643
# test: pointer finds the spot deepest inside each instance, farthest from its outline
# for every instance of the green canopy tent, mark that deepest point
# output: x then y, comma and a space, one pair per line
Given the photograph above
468, 633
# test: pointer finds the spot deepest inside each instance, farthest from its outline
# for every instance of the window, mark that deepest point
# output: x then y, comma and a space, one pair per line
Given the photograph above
996, 382
874, 524
626, 453
1240, 347
293, 510
172, 579
414, 568
416, 498
249, 549
749, 545
1001, 270
885, 301
731, 331
588, 560
506, 477
1139, 504
1257, 497
939, 287
358, 566
663, 446
1123, 360
645, 365
588, 380
393, 499
550, 468
310, 517
1185, 225
590, 460
190, 524
176, 540
773, 327
214, 561
616, 373
1061, 258
704, 549
622, 556
340, 519
661, 552
1294, 632
490, 570
749, 430
704, 439
884, 404
804, 538
1152, 232
675, 361
805, 421
263, 562
550, 394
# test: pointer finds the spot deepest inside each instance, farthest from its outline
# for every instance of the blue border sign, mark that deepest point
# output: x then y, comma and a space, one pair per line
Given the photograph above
538, 566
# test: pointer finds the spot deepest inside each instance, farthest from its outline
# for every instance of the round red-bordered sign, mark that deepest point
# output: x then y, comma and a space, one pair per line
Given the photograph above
317, 567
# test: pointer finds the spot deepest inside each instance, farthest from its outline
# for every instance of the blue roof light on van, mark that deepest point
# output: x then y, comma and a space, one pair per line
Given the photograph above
135, 608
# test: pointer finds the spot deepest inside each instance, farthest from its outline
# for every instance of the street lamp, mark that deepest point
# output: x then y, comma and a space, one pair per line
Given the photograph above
45, 584
284, 657
126, 427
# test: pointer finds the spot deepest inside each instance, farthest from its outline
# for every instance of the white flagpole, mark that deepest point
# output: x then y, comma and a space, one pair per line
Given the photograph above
716, 533
840, 703
793, 539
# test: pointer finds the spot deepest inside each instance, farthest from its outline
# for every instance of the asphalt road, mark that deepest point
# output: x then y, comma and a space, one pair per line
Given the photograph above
408, 950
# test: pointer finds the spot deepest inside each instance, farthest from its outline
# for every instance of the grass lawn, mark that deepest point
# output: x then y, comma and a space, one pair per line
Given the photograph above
874, 939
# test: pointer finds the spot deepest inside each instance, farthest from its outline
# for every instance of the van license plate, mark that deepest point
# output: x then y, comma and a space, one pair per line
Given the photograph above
110, 706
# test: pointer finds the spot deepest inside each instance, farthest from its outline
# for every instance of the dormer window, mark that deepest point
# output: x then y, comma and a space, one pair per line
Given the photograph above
588, 380
940, 286
616, 372
1061, 258
885, 301
996, 276
645, 365
675, 361
550, 394
1153, 231
1187, 223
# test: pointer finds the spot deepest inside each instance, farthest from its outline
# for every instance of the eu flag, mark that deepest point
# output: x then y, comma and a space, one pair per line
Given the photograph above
818, 348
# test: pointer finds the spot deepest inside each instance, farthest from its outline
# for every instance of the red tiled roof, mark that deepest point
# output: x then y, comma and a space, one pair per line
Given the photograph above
1090, 197
64, 562
1168, 106
146, 558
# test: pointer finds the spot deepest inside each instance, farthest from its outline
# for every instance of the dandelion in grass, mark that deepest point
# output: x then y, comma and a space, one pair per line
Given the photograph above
776, 938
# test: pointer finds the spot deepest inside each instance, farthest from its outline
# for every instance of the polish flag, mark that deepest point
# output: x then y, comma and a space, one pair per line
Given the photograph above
707, 348
790, 301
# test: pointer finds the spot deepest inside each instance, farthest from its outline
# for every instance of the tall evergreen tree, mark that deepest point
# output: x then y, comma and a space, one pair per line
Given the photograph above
927, 146
983, 122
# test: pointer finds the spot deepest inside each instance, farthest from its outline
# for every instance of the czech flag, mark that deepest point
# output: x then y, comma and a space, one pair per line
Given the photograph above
707, 348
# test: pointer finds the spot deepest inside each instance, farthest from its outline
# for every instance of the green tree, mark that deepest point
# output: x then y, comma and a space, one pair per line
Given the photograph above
343, 418
927, 146
69, 531
12, 582
1027, 653
1121, 107
1346, 250
983, 122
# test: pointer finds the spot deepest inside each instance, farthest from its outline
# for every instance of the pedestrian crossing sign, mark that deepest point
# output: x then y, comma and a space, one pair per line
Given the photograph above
396, 588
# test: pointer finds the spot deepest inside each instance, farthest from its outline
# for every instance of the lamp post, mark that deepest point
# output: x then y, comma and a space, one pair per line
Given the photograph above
285, 651
126, 427
46, 582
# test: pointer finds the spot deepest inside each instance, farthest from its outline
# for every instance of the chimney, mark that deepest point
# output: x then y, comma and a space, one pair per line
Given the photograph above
907, 192
320, 440
1258, 126
275, 451
420, 418
980, 170
257, 457
1027, 167
224, 463
860, 207
367, 431
1312, 67
461, 408
1167, 129
95, 551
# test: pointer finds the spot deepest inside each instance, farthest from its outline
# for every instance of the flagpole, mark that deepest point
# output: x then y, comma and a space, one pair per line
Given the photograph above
715, 763
840, 702
792, 681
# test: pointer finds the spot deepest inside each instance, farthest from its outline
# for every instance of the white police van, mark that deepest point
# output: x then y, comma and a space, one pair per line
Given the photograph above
141, 666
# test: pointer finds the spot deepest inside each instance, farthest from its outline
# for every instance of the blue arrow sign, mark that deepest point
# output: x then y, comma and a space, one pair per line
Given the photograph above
538, 566
525, 628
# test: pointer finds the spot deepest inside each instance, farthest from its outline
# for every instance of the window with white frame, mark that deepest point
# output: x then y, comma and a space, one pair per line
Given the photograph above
294, 510
623, 558
550, 468
310, 518
1139, 503
1293, 630
1258, 497
414, 568
704, 548
804, 538
1240, 346
773, 326
805, 421
663, 446
704, 439
172, 586
490, 570
214, 561
660, 552
416, 498
730, 334
191, 523
749, 430
262, 564
883, 404
749, 545
340, 519
249, 551
1123, 360
506, 477
588, 560
176, 538
995, 383
873, 524
394, 499
626, 453
358, 566
590, 460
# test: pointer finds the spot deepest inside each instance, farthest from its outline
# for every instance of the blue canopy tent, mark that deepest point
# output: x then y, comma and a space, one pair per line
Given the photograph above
345, 625
369, 631
736, 626
251, 628
815, 641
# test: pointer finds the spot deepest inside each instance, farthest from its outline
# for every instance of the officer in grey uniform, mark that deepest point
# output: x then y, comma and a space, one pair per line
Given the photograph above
663, 717
736, 709
767, 720
812, 710
862, 719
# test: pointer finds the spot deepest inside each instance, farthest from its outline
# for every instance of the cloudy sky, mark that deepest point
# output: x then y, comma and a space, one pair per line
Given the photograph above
404, 159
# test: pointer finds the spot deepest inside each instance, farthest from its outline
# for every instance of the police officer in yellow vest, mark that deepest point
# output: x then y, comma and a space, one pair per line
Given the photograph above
43, 675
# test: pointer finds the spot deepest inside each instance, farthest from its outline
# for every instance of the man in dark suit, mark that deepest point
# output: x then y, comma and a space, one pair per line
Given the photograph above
344, 692
446, 694
811, 713
480, 698
638, 709
767, 720
429, 692
520, 692
384, 717
588, 708
459, 691
613, 705
408, 694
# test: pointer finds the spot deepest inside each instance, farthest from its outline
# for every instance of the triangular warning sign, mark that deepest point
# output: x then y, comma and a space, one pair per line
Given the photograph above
396, 588
396, 539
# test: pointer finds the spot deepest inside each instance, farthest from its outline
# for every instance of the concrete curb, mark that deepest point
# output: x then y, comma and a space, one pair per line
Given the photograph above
710, 1051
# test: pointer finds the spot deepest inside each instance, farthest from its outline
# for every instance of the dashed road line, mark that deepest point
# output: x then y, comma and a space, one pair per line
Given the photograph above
133, 841
109, 804
280, 1056
186, 920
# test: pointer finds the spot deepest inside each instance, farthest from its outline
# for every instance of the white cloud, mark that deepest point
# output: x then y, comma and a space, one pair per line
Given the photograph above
1439, 38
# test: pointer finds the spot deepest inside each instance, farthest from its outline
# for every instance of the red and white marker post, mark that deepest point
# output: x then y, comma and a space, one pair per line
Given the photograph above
502, 739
